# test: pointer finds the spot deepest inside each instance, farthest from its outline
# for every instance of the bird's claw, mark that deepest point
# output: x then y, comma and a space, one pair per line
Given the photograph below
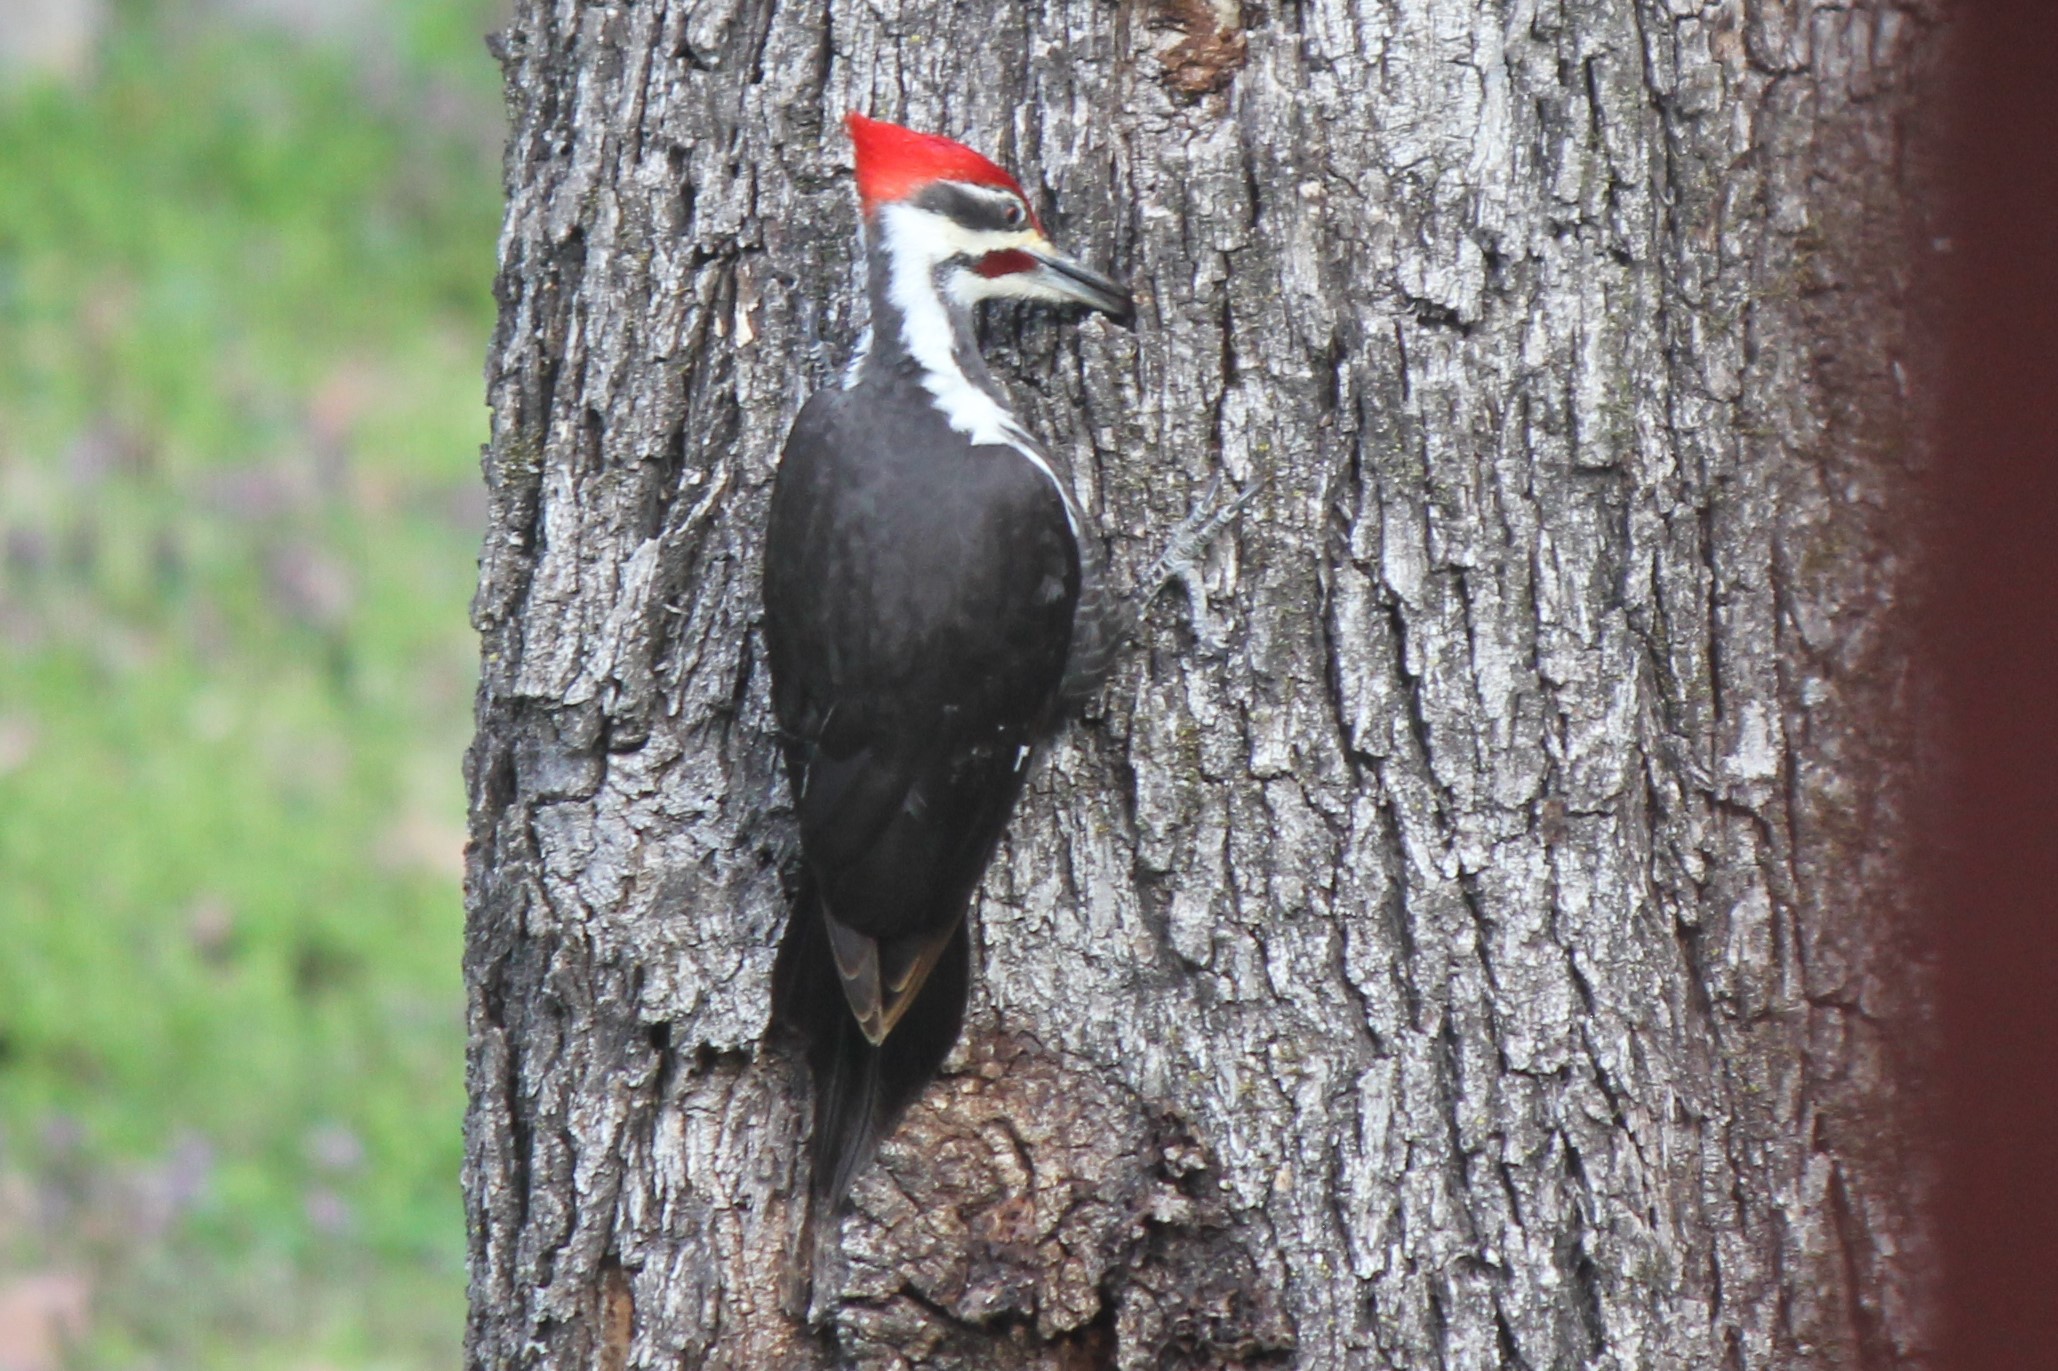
1190, 540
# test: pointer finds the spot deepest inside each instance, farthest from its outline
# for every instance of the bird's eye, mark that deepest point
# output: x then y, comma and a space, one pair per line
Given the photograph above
1015, 215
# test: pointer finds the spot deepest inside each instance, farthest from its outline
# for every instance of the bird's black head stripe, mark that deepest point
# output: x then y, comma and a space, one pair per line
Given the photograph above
984, 209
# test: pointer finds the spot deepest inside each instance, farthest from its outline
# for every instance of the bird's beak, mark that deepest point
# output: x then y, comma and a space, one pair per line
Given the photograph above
1066, 279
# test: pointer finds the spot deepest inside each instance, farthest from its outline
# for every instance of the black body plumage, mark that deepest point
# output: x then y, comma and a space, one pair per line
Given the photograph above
932, 601
921, 590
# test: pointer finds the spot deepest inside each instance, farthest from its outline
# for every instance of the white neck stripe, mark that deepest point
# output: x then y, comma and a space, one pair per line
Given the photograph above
912, 258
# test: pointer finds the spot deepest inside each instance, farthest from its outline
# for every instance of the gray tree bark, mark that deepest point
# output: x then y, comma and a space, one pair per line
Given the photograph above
1470, 931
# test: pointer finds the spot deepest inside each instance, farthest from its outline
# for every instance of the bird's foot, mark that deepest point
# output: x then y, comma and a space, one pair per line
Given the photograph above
1189, 542
1181, 560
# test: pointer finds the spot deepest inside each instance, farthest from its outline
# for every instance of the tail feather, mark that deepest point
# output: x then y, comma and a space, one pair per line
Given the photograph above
860, 1090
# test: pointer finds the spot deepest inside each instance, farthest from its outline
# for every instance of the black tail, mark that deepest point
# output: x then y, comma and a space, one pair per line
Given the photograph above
860, 1090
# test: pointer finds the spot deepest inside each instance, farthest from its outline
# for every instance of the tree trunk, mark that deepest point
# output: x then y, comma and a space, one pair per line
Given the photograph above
1470, 929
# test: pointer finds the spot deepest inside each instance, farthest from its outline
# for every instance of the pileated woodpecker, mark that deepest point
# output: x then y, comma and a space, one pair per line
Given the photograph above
933, 598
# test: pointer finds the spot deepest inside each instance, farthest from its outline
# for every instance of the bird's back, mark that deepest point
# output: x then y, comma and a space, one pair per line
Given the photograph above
919, 598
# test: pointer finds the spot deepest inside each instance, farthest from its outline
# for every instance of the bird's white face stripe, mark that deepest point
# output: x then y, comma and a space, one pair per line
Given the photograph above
917, 243
941, 238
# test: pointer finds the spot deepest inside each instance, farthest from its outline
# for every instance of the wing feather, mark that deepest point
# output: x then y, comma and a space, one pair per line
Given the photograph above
878, 1001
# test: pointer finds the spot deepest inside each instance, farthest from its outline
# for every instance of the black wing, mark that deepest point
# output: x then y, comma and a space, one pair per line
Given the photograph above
919, 599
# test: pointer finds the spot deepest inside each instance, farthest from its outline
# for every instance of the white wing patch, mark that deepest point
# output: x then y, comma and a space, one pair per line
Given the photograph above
857, 360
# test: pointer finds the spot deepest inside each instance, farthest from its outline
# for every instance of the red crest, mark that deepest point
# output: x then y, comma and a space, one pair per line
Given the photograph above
893, 163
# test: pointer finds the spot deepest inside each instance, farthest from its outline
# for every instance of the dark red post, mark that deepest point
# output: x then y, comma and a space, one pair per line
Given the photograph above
1996, 642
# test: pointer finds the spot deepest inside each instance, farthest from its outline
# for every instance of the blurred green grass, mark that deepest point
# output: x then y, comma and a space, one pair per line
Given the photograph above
244, 297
